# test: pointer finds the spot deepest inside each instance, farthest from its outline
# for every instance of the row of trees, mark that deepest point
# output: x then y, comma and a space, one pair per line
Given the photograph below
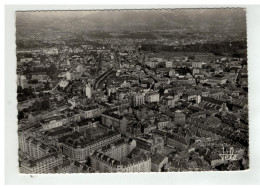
28, 93
37, 106
30, 44
51, 71
24, 94
236, 48
41, 105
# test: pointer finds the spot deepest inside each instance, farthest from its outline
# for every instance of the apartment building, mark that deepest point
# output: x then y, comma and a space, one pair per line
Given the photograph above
52, 122
177, 141
138, 99
82, 147
152, 97
42, 165
120, 149
102, 163
115, 121
150, 144
90, 111
36, 149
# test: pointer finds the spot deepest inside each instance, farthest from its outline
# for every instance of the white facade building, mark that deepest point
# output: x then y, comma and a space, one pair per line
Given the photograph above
88, 91
152, 97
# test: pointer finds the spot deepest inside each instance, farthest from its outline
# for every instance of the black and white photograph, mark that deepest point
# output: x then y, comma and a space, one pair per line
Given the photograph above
122, 91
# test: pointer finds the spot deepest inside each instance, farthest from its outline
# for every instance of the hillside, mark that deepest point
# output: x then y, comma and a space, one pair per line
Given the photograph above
212, 20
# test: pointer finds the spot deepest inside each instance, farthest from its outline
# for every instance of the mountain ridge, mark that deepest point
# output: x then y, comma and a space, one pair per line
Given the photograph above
136, 20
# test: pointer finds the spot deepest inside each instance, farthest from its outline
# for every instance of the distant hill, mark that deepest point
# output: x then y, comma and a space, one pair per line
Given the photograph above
213, 20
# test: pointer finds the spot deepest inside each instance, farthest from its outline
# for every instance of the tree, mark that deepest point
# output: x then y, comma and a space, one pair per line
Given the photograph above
52, 68
226, 69
52, 71
28, 74
191, 57
45, 105
34, 81
27, 91
20, 115
47, 85
244, 63
19, 89
36, 105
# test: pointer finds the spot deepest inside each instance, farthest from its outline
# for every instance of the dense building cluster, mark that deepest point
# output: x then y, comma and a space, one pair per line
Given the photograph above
108, 106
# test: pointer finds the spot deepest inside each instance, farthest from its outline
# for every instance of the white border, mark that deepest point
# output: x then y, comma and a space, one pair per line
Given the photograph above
11, 141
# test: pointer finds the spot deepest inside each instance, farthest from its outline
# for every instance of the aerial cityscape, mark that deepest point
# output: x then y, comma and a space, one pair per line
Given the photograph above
132, 91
